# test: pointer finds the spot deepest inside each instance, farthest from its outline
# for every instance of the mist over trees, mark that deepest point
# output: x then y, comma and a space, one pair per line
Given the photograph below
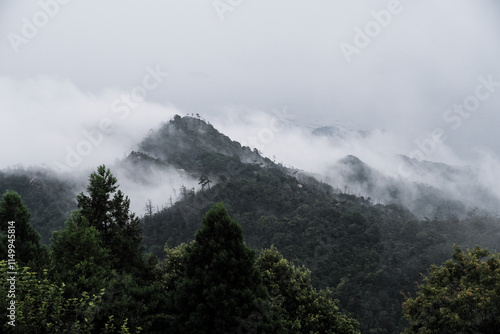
250, 246
215, 285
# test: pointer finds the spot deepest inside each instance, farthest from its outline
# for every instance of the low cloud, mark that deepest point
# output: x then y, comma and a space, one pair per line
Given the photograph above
51, 122
58, 90
473, 182
160, 185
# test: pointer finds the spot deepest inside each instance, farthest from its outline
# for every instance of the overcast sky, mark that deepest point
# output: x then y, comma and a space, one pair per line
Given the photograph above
399, 66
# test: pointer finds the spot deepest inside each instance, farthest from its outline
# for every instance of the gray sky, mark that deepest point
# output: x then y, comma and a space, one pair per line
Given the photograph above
64, 68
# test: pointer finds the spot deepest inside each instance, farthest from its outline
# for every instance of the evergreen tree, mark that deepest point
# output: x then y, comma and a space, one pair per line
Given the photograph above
96, 207
14, 215
221, 290
108, 210
80, 260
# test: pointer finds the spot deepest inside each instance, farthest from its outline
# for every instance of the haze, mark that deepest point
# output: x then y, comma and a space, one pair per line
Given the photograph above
240, 64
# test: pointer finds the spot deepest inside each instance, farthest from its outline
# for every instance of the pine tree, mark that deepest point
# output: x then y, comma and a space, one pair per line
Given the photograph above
80, 260
96, 207
108, 210
28, 251
221, 290
131, 295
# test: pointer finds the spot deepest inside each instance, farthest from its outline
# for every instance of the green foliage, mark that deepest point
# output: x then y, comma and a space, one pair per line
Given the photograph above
112, 327
367, 254
108, 211
97, 206
460, 296
48, 196
41, 306
173, 265
301, 308
141, 306
221, 289
12, 209
100, 248
80, 258
24, 239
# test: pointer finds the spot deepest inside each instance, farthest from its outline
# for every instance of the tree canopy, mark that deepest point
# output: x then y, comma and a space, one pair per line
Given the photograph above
221, 290
108, 211
460, 296
14, 215
300, 307
81, 260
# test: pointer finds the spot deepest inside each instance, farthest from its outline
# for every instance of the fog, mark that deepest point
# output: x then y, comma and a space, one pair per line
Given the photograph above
158, 187
53, 123
81, 83
279, 137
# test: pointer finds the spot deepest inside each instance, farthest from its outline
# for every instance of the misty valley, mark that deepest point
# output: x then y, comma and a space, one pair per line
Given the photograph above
193, 232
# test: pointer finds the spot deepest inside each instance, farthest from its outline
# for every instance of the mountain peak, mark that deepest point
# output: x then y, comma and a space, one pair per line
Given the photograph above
351, 160
184, 140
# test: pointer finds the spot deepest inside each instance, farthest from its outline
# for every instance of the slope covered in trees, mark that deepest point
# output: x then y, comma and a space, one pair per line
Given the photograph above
213, 286
365, 254
220, 286
49, 196
368, 254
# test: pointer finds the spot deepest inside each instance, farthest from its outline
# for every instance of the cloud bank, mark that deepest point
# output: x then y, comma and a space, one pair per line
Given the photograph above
75, 91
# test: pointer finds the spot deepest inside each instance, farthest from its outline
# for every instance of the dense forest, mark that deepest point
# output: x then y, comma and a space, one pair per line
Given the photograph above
256, 248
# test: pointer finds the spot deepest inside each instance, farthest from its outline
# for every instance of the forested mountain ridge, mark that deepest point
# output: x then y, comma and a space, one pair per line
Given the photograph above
427, 188
50, 197
366, 253
183, 140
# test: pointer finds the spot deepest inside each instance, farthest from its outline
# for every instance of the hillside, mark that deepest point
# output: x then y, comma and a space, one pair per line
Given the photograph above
427, 188
50, 197
367, 253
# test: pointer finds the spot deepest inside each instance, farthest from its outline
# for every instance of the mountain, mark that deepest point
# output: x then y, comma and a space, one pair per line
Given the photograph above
428, 189
365, 251
183, 141
50, 197
352, 176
